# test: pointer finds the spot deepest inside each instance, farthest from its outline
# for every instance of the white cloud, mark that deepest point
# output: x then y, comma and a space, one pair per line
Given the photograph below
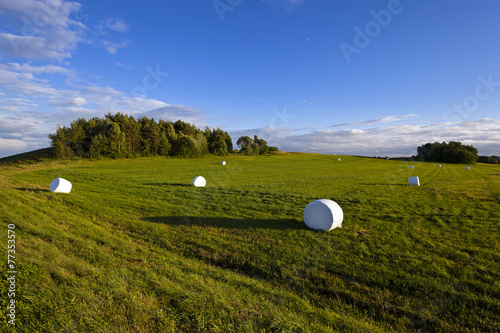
385, 119
40, 29
113, 47
175, 112
79, 101
13, 127
73, 102
28, 68
25, 83
396, 140
13, 146
115, 24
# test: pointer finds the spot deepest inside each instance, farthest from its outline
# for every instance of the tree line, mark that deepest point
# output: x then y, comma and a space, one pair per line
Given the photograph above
451, 152
118, 135
493, 159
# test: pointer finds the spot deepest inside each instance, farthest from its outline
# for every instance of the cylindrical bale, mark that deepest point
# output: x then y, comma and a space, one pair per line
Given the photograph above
338, 159
411, 167
199, 181
223, 163
439, 165
467, 168
60, 185
414, 181
323, 214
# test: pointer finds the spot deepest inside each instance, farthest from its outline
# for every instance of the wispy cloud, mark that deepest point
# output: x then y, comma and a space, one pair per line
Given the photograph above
112, 47
176, 112
115, 24
385, 119
119, 64
52, 35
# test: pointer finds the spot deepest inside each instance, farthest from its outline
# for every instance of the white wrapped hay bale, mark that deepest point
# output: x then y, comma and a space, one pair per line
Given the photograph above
338, 159
414, 181
323, 214
199, 181
60, 185
411, 167
439, 165
467, 168
223, 163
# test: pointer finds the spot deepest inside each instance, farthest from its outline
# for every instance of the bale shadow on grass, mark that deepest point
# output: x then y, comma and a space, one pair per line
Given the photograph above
228, 223
386, 184
34, 190
168, 184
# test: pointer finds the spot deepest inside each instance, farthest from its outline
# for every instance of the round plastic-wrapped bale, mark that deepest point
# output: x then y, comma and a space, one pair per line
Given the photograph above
60, 185
223, 162
323, 214
414, 181
338, 159
199, 181
467, 168
439, 165
411, 166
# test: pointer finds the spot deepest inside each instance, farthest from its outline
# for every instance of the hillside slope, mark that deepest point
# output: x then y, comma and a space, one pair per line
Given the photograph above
134, 247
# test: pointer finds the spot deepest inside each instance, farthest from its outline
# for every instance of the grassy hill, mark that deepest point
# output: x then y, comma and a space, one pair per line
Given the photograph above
31, 157
135, 248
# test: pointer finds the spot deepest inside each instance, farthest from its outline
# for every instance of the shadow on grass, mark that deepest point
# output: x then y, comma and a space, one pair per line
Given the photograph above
34, 190
227, 223
386, 184
168, 184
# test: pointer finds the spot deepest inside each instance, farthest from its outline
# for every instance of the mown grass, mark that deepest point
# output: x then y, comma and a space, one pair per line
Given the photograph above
135, 248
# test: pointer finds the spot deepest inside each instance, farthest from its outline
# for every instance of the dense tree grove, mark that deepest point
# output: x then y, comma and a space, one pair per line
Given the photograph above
118, 135
489, 159
451, 152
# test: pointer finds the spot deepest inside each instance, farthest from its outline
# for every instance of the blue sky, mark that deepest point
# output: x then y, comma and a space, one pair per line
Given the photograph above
348, 77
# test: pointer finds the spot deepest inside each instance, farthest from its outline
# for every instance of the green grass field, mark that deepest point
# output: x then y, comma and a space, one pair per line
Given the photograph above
135, 248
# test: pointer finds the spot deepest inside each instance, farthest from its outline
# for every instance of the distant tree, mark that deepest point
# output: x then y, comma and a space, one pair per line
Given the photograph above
452, 152
168, 128
262, 144
216, 139
253, 146
150, 136
60, 142
116, 140
76, 137
184, 146
244, 141
164, 146
132, 130
184, 128
489, 159
200, 141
